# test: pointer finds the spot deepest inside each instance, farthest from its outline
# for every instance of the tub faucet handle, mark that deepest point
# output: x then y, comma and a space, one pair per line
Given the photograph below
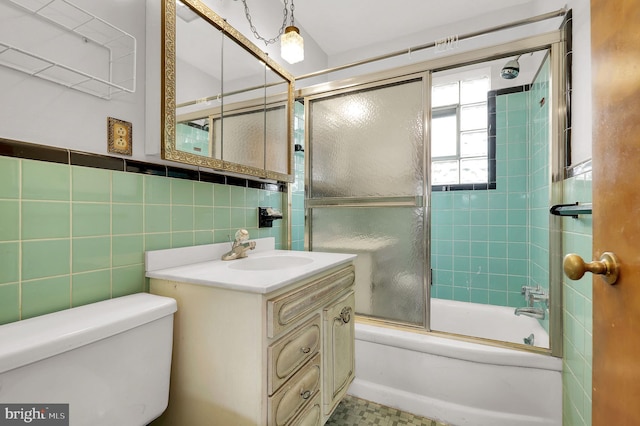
534, 294
539, 295
530, 340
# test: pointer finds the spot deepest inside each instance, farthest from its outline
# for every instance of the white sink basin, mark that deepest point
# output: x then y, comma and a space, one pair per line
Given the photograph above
269, 263
264, 270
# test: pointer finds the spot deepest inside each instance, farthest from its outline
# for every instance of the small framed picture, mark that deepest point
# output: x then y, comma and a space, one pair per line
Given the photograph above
119, 141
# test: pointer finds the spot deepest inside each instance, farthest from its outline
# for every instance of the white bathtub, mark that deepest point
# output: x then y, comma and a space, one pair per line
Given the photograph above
487, 321
458, 382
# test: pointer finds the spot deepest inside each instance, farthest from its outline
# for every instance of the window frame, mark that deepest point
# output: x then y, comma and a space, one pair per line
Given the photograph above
491, 146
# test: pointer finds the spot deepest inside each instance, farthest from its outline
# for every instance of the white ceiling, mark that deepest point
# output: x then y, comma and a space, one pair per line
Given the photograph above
342, 25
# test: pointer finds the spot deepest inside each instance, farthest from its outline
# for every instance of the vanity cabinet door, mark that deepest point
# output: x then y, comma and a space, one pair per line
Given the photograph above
339, 350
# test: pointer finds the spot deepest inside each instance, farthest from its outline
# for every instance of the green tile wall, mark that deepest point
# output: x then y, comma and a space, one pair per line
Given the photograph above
73, 235
479, 239
578, 310
486, 245
297, 188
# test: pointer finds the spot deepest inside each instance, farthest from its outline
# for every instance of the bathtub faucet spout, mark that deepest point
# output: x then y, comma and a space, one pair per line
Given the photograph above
537, 313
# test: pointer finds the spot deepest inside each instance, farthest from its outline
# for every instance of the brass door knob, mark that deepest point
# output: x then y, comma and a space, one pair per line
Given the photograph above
608, 266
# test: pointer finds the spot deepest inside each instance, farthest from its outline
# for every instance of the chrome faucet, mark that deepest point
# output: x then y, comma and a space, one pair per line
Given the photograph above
535, 294
531, 296
529, 311
240, 246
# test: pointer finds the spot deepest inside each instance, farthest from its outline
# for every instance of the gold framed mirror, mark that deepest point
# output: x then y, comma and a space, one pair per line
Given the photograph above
226, 105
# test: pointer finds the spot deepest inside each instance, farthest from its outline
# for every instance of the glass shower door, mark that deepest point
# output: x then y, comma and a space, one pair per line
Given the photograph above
366, 192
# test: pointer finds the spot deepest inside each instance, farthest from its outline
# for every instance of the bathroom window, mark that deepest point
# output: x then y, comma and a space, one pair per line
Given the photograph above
460, 145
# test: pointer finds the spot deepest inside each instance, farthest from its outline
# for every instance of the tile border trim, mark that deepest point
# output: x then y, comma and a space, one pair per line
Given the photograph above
32, 151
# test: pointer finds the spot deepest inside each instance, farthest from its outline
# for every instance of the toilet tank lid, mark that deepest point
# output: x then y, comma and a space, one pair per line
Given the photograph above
27, 341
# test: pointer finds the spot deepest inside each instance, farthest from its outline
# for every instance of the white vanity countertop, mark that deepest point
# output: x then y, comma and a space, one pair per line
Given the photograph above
231, 275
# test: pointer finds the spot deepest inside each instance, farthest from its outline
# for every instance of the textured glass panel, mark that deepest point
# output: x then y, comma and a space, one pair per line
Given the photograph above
243, 139
473, 117
368, 143
474, 170
473, 144
444, 172
276, 157
390, 262
444, 135
445, 94
472, 91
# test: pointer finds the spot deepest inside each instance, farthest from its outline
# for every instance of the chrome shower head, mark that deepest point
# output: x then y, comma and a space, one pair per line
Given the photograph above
511, 69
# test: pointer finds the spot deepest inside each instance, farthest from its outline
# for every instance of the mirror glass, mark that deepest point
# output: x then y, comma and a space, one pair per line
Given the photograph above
276, 111
198, 81
227, 105
242, 119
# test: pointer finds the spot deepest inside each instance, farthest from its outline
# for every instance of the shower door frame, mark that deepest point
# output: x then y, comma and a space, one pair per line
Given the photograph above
419, 201
555, 42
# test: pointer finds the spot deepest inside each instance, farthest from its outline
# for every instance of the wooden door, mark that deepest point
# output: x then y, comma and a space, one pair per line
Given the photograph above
615, 49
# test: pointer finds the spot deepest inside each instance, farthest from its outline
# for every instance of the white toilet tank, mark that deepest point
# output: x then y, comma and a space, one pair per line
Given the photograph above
110, 361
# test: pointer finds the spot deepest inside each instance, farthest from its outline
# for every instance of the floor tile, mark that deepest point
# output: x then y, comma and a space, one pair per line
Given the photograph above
354, 411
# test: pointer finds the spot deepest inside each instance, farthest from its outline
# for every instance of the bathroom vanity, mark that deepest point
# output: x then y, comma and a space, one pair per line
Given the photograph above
263, 340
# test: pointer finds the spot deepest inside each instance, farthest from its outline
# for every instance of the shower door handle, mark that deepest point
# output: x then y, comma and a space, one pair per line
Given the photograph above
608, 266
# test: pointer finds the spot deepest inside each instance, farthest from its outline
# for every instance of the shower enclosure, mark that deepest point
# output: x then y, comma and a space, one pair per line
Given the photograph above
439, 176
366, 191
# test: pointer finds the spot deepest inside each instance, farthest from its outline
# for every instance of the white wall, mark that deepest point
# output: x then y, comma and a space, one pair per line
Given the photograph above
39, 111
35, 110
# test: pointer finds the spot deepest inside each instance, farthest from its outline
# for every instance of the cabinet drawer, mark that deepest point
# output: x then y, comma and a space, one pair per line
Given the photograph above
311, 416
284, 310
294, 395
291, 352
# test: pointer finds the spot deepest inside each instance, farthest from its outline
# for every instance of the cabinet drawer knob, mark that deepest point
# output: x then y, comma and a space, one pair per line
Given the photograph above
345, 315
305, 350
305, 394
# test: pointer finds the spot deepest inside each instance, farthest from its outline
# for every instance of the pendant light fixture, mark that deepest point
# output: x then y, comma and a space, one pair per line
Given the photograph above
291, 42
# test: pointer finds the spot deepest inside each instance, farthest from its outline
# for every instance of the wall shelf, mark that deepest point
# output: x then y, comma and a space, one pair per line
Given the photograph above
118, 70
